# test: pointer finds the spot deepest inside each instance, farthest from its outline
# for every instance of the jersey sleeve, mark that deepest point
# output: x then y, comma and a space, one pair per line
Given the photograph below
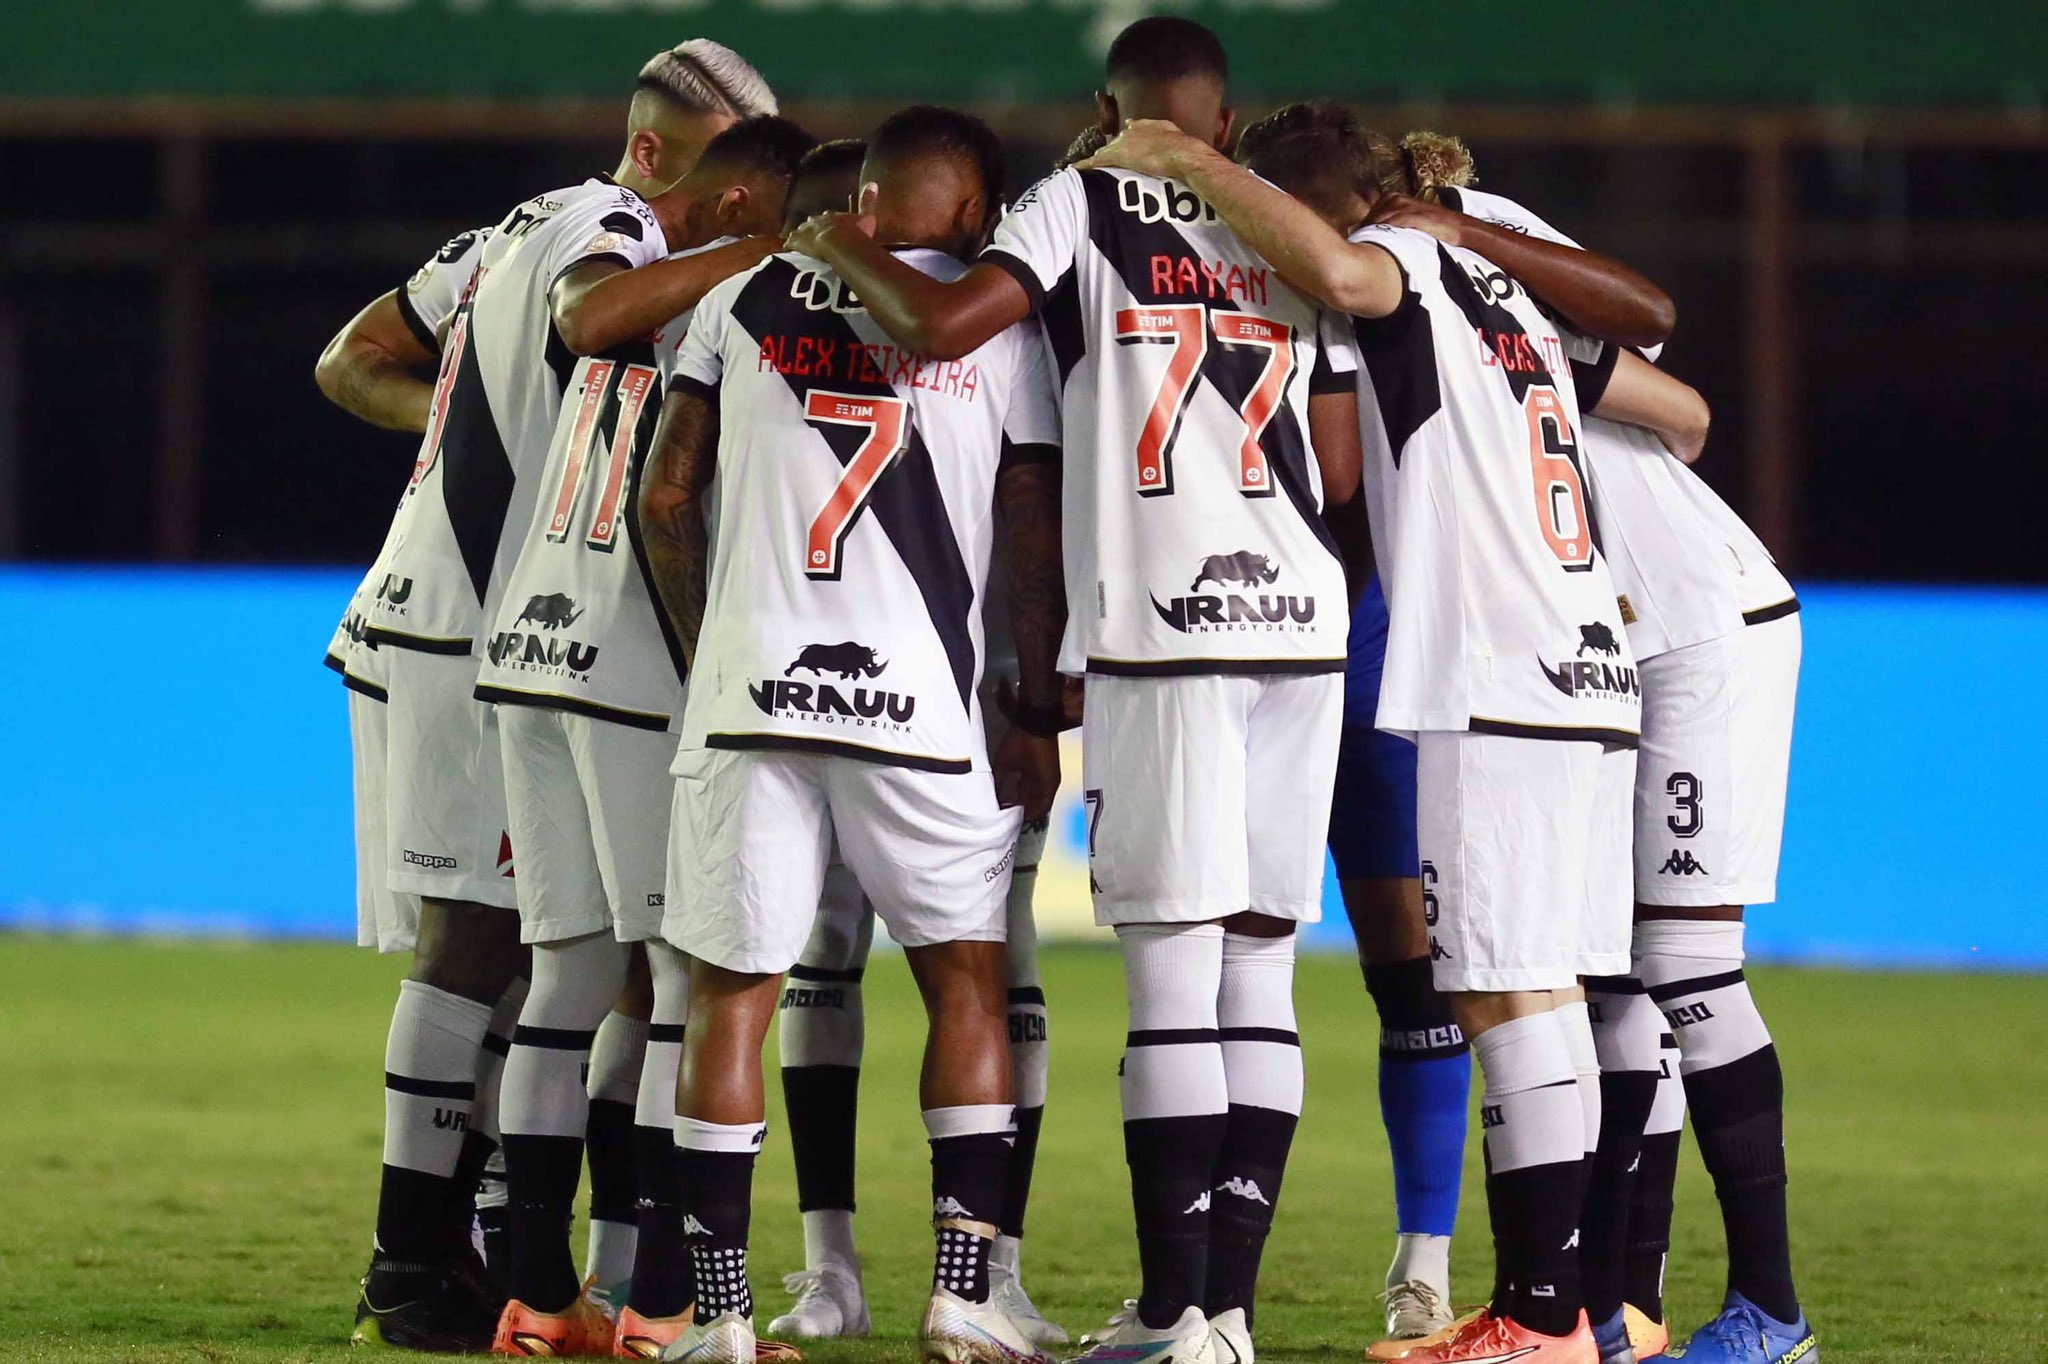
621, 229
1337, 362
1039, 239
699, 362
430, 297
1502, 211
1592, 363
1033, 418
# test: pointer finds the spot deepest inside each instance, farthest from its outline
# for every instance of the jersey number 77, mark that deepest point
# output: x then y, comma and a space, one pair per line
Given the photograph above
1187, 327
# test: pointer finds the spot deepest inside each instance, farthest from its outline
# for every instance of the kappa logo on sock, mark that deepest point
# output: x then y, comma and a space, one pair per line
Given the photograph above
1573, 1243
950, 1206
692, 1227
1201, 1204
1543, 1290
1244, 1188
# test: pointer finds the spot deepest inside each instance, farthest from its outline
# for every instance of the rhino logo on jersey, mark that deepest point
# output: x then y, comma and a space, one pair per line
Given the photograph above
1598, 638
1244, 568
555, 611
848, 660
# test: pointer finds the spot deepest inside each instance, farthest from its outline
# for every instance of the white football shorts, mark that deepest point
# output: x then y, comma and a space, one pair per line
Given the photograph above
445, 828
1524, 846
588, 801
1710, 780
751, 833
386, 919
1209, 795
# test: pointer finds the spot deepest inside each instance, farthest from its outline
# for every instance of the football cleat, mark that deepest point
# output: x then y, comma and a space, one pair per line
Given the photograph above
727, 1338
1488, 1339
1128, 1340
1649, 1339
1232, 1336
1415, 1312
445, 1317
1746, 1334
585, 1330
829, 1305
957, 1331
639, 1337
1007, 1291
1612, 1339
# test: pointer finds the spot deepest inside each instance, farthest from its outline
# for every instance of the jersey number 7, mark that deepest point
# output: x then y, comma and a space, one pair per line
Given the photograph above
635, 383
1186, 327
887, 423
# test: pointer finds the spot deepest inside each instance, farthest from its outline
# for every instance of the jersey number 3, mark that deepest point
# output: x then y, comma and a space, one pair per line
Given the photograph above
1186, 328
887, 423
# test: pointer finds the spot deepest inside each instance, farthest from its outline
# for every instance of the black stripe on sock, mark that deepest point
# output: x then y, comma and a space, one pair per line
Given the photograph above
665, 1032
554, 1039
430, 1089
1279, 1036
1170, 1037
497, 1044
1613, 985
1027, 994
818, 974
1698, 985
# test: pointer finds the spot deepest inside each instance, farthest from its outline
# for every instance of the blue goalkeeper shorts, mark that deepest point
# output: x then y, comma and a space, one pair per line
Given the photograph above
1372, 812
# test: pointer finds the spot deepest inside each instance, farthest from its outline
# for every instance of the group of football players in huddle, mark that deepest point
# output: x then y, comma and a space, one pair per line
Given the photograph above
1339, 504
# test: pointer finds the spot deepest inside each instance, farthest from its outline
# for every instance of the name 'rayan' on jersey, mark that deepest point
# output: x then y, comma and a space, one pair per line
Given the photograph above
1193, 518
1502, 614
504, 370
855, 516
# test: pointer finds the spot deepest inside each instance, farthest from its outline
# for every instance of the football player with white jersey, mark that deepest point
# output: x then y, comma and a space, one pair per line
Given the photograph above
1525, 744
542, 293
588, 683
1209, 619
1715, 629
836, 652
821, 1017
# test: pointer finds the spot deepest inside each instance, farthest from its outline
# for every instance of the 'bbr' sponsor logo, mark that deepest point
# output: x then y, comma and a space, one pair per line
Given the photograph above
824, 293
1163, 201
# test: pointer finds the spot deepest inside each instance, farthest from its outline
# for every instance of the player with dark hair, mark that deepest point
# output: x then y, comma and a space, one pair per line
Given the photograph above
862, 476
827, 180
1522, 774
1209, 418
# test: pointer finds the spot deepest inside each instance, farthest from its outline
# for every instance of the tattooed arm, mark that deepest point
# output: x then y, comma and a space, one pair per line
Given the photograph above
677, 472
1027, 760
372, 369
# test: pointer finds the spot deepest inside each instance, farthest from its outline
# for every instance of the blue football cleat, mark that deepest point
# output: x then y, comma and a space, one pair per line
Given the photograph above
1746, 1334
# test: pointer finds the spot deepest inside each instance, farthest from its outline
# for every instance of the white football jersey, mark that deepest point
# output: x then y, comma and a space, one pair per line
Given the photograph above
1686, 566
427, 302
473, 489
580, 627
1502, 616
1193, 502
855, 504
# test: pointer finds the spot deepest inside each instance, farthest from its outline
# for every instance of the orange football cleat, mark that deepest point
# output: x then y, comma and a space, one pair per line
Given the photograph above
584, 1331
641, 1337
1488, 1339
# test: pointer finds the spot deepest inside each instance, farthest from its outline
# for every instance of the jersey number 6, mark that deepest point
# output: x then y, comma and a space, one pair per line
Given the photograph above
887, 422
1554, 467
1186, 328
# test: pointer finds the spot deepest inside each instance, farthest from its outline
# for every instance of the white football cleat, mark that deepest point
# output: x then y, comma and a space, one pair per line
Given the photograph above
1414, 1310
957, 1331
727, 1338
1128, 1340
1006, 1290
830, 1305
1233, 1337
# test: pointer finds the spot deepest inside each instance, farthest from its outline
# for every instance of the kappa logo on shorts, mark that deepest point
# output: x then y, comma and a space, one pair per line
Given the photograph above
431, 861
1002, 865
1682, 863
1202, 613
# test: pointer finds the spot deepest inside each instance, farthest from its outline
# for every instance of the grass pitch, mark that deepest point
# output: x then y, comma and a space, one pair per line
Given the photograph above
191, 1136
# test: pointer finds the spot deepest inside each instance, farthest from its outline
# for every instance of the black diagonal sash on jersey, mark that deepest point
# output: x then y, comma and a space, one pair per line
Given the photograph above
1399, 351
907, 502
1128, 245
476, 473
1491, 319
